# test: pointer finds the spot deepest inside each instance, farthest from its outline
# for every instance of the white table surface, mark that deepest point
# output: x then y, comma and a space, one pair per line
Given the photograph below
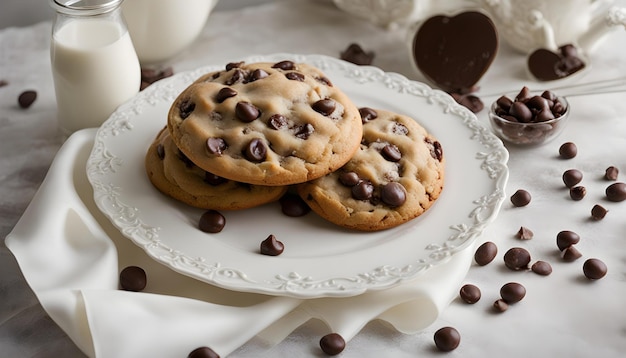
563, 314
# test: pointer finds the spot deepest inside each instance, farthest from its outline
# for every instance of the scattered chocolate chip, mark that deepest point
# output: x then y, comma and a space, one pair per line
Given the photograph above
367, 114
332, 344
324, 80
186, 108
256, 75
256, 151
295, 76
520, 198
524, 233
324, 106
349, 178
246, 112
160, 151
447, 339
363, 190
542, 268
277, 121
470, 293
203, 352
224, 94
26, 98
216, 146
212, 221
572, 177
598, 212
231, 65
213, 179
611, 173
285, 65
469, 101
436, 151
393, 194
271, 246
293, 205
355, 54
568, 150
485, 253
566, 238
616, 192
303, 132
500, 305
571, 254
577, 193
133, 278
391, 153
512, 292
4, 83
517, 258
594, 269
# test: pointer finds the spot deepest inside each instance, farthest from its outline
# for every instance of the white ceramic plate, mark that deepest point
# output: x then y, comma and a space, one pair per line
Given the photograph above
320, 259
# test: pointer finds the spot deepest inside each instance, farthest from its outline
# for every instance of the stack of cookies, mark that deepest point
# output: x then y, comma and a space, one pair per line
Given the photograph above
244, 136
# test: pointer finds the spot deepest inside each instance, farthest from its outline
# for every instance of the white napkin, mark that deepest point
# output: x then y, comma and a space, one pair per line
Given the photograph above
71, 256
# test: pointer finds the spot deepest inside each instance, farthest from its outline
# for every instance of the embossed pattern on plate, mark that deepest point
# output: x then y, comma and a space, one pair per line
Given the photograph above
320, 259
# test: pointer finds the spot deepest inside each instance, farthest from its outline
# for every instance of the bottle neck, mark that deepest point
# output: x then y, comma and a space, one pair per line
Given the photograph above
85, 7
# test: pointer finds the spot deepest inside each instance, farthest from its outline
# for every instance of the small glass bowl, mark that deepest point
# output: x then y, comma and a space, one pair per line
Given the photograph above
528, 134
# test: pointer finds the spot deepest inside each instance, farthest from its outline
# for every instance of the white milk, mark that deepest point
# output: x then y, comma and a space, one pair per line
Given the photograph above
95, 69
161, 29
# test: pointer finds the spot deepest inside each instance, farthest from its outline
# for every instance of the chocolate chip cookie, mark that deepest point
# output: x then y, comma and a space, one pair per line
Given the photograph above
395, 176
172, 173
266, 123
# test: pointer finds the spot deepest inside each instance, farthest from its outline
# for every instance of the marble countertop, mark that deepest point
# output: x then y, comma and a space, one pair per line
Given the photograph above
563, 314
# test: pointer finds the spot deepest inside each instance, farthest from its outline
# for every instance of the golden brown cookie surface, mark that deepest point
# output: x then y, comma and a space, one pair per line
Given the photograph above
396, 175
266, 123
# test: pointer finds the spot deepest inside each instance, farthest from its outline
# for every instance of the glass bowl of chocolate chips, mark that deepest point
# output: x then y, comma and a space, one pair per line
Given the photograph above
527, 118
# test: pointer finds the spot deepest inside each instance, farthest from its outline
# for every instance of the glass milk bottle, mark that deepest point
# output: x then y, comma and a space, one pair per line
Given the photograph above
94, 64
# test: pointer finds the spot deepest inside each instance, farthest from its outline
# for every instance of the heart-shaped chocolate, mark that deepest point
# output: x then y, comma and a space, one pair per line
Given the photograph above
455, 52
546, 65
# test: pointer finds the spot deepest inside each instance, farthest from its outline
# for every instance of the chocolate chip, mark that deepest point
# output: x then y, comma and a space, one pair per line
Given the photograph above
594, 269
133, 278
355, 54
577, 193
616, 192
160, 149
393, 194
363, 190
485, 253
216, 146
542, 268
4, 83
271, 246
277, 121
295, 76
512, 292
436, 151
203, 352
500, 305
598, 212
571, 254
285, 65
568, 150
524, 233
611, 173
183, 158
256, 75
349, 178
303, 132
470, 293
517, 258
523, 95
391, 153
367, 114
231, 65
213, 179
293, 205
521, 112
469, 101
238, 76
520, 198
324, 106
246, 112
324, 80
566, 238
212, 221
504, 103
401, 129
26, 98
256, 151
186, 107
447, 339
224, 94
332, 344
572, 177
